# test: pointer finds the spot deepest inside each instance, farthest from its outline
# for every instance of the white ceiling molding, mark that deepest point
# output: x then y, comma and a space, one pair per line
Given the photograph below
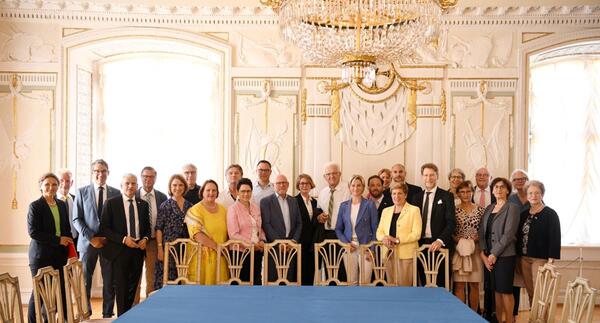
143, 15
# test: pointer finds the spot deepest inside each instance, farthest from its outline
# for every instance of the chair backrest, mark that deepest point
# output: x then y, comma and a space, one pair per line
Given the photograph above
10, 299
46, 289
282, 254
182, 252
431, 262
235, 253
383, 265
331, 253
75, 295
544, 295
579, 302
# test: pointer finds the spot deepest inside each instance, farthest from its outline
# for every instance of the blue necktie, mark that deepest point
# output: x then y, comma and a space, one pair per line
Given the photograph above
132, 220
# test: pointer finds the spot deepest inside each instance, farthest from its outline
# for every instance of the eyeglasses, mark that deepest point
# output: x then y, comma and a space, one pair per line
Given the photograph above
281, 183
456, 177
148, 176
332, 174
244, 191
482, 175
262, 170
303, 183
100, 171
465, 192
520, 179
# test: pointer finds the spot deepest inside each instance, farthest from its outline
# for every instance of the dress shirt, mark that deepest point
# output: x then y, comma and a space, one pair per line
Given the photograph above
225, 199
153, 208
259, 192
429, 209
69, 201
308, 206
377, 201
340, 195
353, 217
486, 193
127, 215
285, 211
105, 194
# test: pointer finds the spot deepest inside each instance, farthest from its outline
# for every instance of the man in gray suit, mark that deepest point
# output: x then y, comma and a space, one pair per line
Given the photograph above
154, 199
281, 219
89, 202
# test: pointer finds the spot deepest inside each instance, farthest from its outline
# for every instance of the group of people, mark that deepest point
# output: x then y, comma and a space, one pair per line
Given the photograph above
491, 231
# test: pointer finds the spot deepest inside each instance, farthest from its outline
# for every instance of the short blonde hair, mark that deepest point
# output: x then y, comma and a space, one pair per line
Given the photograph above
357, 178
397, 186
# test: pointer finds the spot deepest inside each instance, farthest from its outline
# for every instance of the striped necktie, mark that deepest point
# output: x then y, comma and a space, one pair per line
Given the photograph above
330, 208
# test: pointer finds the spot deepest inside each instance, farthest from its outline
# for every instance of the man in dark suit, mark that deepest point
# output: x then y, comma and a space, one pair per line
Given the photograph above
399, 177
154, 198
381, 200
281, 220
482, 192
439, 218
126, 225
64, 186
89, 202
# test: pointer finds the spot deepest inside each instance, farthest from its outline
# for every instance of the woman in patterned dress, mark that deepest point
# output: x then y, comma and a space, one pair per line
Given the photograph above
207, 224
170, 225
468, 216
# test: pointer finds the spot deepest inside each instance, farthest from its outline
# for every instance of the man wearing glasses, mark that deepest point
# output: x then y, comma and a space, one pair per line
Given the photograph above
483, 192
263, 187
89, 202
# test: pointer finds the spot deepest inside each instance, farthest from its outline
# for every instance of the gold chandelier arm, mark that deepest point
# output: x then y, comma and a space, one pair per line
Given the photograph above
445, 4
274, 4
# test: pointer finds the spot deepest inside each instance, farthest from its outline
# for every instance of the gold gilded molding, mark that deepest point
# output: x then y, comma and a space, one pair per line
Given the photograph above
443, 106
303, 106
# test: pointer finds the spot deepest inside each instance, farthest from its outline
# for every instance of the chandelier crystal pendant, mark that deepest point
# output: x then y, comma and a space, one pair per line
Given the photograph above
355, 34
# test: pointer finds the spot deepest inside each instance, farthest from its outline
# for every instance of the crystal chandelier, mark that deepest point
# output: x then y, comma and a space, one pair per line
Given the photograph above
355, 34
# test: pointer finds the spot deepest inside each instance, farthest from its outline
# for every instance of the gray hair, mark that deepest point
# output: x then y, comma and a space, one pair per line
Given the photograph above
537, 184
61, 171
459, 171
189, 165
518, 170
332, 164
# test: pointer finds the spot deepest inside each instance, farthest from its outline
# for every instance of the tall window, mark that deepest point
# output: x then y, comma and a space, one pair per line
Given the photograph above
564, 120
160, 110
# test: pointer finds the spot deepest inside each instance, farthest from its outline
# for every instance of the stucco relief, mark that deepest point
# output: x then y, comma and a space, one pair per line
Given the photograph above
481, 51
268, 51
20, 46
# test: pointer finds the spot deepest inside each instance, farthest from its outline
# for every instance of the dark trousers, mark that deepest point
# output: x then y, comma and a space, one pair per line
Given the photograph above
127, 270
89, 257
330, 234
489, 306
308, 264
245, 272
441, 276
292, 276
34, 267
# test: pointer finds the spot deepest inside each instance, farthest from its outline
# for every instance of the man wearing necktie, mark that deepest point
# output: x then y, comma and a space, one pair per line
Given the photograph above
438, 215
154, 198
482, 192
64, 185
89, 201
126, 224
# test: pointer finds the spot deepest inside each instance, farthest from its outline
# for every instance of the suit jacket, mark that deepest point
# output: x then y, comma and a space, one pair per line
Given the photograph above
272, 218
86, 219
45, 245
385, 203
309, 226
366, 222
159, 198
413, 190
443, 216
113, 225
504, 230
408, 229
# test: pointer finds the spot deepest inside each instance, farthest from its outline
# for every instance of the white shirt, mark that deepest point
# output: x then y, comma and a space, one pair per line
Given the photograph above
225, 199
377, 201
429, 208
308, 205
285, 211
259, 192
153, 207
69, 201
353, 217
104, 194
127, 215
340, 195
487, 195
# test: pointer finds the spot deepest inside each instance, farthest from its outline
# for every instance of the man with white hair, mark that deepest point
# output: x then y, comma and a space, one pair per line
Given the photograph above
64, 186
482, 192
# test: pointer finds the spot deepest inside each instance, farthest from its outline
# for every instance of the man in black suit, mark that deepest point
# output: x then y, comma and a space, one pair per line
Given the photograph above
381, 200
154, 198
281, 220
125, 223
399, 177
439, 218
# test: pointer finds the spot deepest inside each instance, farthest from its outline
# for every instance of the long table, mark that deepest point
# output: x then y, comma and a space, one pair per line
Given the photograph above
263, 304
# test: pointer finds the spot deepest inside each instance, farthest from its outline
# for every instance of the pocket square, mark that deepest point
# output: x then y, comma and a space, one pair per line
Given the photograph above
439, 201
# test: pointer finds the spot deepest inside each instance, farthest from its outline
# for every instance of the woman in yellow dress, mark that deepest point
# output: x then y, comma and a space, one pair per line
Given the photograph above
207, 224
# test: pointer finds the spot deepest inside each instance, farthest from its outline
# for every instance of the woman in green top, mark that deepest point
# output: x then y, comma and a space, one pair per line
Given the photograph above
50, 232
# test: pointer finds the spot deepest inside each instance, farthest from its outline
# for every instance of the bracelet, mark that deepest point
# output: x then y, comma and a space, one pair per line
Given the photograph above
160, 244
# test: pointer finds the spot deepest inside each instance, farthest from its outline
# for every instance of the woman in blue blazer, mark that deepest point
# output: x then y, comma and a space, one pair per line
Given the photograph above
50, 232
356, 224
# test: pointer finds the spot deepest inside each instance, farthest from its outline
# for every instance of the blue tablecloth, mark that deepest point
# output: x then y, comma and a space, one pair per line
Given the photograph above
242, 304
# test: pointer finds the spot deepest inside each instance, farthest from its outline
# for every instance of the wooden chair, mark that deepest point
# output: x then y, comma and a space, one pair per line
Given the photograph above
431, 262
544, 295
332, 253
579, 302
46, 289
384, 267
235, 253
182, 251
282, 253
10, 299
75, 295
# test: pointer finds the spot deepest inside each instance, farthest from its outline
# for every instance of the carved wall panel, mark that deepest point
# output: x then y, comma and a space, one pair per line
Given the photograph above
266, 124
28, 43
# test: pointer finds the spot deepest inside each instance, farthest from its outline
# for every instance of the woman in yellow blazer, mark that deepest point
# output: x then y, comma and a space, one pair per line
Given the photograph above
400, 228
